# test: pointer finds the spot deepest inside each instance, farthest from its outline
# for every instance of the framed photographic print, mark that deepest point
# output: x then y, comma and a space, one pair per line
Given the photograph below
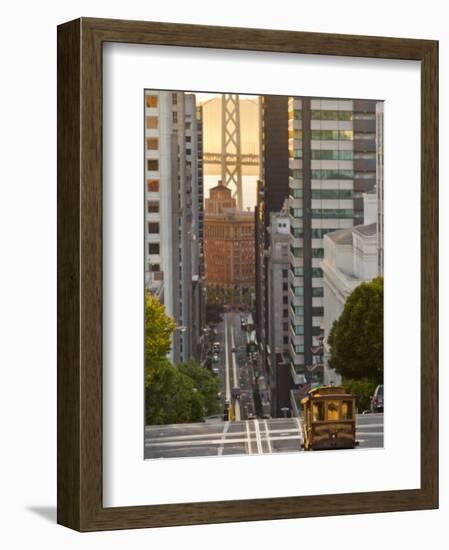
230, 203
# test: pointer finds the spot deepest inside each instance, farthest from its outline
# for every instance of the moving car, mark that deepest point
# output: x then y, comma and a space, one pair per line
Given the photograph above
377, 400
235, 392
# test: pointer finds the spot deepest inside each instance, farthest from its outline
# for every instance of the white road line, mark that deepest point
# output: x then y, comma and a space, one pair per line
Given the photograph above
218, 434
206, 442
299, 426
258, 438
248, 438
267, 437
228, 382
223, 439
236, 383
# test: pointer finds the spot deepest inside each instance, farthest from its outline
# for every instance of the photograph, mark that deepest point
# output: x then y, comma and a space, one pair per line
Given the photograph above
263, 260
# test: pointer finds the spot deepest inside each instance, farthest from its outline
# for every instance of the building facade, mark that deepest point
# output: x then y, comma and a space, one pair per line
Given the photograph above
279, 381
272, 191
332, 161
172, 188
228, 242
350, 258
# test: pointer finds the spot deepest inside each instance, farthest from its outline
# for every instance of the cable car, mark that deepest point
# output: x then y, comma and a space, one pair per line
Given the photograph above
328, 419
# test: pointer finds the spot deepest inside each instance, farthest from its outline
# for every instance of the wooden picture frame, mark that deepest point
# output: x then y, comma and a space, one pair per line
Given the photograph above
80, 351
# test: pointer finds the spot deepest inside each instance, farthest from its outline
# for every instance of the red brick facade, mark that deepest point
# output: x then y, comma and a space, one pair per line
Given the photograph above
228, 241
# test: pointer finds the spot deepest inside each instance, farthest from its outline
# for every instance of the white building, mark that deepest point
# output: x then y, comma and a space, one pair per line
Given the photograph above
171, 218
350, 258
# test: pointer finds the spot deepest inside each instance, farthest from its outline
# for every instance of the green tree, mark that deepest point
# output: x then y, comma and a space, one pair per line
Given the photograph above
356, 338
159, 328
206, 386
173, 394
363, 390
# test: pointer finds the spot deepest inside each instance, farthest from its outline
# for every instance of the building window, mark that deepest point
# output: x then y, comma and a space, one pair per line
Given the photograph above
317, 312
296, 212
331, 213
339, 194
297, 252
297, 232
317, 272
317, 252
174, 99
175, 117
153, 227
343, 135
152, 186
285, 273
299, 329
298, 290
319, 233
153, 248
296, 193
284, 286
153, 207
152, 165
326, 154
299, 348
317, 292
152, 122
285, 300
285, 326
285, 313
298, 271
296, 174
285, 340
299, 311
152, 143
331, 115
332, 175
151, 101
154, 267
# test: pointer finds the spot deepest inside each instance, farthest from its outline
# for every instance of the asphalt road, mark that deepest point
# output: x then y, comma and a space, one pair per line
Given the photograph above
234, 368
244, 437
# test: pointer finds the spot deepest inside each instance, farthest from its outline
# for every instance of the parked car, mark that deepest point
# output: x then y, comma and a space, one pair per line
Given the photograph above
377, 400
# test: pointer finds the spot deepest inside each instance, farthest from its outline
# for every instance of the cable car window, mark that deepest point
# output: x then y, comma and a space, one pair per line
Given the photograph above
317, 411
333, 410
346, 410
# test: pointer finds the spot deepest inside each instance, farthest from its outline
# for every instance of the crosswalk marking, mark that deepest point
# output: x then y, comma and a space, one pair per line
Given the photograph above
248, 437
258, 438
267, 437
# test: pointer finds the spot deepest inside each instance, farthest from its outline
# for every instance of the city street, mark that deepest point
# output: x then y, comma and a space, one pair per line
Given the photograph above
247, 434
235, 371
244, 437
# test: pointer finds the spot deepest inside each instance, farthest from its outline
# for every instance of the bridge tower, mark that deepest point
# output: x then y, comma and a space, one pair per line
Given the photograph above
231, 161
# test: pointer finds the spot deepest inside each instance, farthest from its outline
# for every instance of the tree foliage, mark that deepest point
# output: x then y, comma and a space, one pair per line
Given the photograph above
206, 385
356, 338
363, 391
173, 394
159, 328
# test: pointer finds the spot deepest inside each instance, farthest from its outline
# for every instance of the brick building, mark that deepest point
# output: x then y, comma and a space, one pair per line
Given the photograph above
228, 241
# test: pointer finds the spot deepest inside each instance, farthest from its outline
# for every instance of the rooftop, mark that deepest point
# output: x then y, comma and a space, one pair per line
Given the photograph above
366, 230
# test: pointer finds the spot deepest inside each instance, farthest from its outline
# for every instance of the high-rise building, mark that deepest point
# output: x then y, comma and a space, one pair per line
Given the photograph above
380, 183
228, 242
332, 150
272, 190
172, 262
279, 381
